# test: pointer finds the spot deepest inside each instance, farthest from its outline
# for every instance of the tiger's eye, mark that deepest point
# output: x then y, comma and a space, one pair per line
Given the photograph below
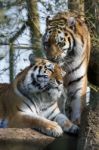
50, 31
45, 71
61, 38
66, 34
35, 67
59, 31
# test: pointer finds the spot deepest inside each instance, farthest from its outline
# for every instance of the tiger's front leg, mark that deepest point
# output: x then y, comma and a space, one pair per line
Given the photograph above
66, 124
76, 111
78, 101
44, 125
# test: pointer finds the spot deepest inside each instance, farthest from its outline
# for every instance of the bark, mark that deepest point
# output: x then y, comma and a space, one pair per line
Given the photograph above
11, 63
92, 17
18, 33
89, 135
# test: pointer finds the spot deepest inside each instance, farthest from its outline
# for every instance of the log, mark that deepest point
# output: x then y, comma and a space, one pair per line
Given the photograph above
23, 139
28, 139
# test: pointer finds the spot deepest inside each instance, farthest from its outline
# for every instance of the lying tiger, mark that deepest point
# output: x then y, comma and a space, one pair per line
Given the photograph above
67, 42
31, 100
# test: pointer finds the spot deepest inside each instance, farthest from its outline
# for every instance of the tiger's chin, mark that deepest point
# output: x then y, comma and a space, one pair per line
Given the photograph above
59, 60
55, 93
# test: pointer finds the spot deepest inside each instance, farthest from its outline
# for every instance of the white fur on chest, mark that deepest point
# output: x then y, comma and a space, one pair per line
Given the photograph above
76, 72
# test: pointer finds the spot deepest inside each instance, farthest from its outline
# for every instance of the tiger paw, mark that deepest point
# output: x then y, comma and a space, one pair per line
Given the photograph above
53, 129
74, 129
77, 122
71, 128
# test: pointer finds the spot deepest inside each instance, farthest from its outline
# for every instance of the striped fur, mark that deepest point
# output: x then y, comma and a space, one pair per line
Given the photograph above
32, 99
67, 42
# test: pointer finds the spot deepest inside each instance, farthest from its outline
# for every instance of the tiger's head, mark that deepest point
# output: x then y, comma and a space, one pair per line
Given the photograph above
64, 37
42, 76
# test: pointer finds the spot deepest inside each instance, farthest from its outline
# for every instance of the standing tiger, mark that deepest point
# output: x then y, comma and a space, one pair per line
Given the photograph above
31, 100
67, 42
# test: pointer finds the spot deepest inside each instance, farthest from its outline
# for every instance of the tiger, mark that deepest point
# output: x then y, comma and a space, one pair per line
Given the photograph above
31, 100
66, 41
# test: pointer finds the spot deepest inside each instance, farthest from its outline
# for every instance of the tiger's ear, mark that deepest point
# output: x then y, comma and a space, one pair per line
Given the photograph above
47, 20
32, 58
71, 21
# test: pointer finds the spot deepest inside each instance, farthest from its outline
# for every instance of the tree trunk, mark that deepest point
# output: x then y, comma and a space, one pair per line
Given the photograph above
92, 17
34, 24
23, 139
89, 135
11, 63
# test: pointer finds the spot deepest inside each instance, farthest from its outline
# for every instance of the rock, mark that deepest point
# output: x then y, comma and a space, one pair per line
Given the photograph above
23, 139
28, 139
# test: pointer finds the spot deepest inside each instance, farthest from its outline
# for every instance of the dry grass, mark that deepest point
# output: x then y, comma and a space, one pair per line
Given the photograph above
94, 87
90, 20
